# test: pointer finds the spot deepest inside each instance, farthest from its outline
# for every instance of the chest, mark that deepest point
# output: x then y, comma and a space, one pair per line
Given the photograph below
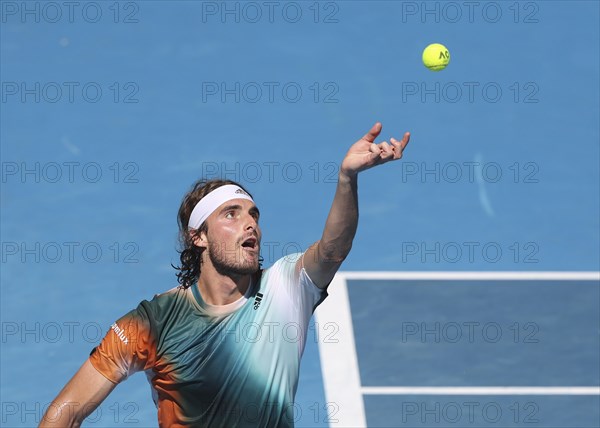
204, 350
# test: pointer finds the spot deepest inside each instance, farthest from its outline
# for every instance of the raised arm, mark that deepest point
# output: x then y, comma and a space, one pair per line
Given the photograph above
323, 259
78, 399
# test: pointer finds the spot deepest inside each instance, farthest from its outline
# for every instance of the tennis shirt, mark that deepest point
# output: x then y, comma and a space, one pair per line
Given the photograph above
235, 365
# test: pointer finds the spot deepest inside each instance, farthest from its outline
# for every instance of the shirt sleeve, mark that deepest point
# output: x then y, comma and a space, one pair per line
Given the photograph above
309, 295
128, 347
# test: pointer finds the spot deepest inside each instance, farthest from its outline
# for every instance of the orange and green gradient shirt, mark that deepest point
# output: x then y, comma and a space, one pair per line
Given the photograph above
218, 366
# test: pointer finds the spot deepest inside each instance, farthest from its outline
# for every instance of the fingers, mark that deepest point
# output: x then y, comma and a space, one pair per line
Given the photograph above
386, 151
381, 152
373, 133
399, 146
405, 139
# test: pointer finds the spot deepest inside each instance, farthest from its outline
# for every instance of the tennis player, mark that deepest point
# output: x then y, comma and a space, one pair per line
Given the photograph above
223, 348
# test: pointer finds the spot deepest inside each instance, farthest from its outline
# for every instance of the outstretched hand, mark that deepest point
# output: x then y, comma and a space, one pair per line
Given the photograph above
365, 153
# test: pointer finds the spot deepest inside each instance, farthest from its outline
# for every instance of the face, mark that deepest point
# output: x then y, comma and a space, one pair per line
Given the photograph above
233, 238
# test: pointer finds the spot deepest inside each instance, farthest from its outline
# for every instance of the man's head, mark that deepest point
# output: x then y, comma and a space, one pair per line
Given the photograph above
218, 224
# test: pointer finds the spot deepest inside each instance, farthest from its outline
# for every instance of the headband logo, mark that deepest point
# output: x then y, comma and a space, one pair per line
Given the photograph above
242, 192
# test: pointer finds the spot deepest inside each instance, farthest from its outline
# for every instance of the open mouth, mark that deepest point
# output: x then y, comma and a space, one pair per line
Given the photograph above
250, 243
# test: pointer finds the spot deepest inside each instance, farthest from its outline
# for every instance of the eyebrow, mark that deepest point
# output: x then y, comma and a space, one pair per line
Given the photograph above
237, 207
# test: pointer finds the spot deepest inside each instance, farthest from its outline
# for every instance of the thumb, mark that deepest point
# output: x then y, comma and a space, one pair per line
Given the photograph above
373, 132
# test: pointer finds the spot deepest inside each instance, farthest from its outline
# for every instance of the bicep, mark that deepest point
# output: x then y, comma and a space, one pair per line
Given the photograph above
80, 397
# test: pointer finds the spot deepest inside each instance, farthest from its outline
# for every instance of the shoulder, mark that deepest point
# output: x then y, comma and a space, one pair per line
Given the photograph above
285, 266
163, 304
289, 269
288, 276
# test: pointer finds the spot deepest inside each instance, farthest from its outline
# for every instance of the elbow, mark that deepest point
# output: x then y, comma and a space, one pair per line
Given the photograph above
65, 415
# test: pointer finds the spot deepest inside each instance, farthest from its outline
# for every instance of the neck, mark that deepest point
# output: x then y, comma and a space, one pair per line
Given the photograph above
218, 289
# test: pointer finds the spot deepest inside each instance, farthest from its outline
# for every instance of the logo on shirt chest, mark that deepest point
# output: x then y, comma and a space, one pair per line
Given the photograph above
257, 300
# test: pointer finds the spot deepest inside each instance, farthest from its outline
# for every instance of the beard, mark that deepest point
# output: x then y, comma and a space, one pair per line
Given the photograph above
228, 262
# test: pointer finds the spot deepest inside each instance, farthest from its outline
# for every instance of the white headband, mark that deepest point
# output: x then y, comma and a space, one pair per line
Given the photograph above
209, 203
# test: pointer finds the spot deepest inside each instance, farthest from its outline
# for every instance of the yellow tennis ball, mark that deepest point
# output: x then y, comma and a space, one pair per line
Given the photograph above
436, 57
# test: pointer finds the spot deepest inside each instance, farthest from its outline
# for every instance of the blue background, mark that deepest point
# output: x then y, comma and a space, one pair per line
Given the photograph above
155, 129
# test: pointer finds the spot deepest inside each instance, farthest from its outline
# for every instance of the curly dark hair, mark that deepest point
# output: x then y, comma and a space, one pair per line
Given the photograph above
190, 255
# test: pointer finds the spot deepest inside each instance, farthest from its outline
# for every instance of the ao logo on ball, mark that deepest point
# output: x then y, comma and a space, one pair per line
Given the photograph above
436, 57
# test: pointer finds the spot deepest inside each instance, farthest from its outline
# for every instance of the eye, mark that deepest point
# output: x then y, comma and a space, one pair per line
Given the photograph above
255, 214
229, 214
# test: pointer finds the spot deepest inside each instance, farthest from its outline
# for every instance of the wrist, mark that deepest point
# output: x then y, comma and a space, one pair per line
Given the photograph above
346, 176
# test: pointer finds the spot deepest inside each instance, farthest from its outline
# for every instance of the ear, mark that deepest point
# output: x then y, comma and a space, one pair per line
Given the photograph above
199, 239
